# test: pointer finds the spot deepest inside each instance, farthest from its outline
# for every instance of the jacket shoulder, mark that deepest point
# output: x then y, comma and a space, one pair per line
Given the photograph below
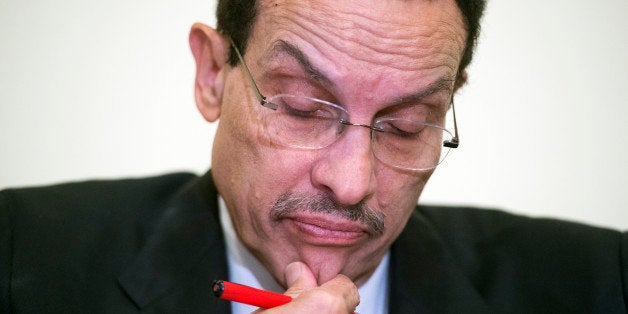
468, 225
96, 192
51, 236
552, 262
64, 211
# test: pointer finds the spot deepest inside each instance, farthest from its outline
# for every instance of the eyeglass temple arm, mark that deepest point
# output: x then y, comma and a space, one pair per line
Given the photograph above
455, 141
261, 98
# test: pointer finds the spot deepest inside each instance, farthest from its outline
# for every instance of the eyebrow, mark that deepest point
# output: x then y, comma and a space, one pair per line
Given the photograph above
444, 83
294, 51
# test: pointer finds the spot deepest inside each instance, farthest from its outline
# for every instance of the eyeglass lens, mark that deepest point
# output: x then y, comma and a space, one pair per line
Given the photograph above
310, 123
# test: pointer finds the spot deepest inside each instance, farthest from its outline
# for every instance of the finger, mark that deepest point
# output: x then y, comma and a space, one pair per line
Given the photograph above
299, 278
343, 288
339, 295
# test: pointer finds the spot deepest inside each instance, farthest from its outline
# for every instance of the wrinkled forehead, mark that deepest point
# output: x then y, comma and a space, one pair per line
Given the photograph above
399, 33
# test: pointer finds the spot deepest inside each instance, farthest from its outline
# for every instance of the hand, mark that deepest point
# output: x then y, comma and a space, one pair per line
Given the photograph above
338, 295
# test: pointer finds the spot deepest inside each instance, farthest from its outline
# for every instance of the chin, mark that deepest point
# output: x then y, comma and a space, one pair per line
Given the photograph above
327, 263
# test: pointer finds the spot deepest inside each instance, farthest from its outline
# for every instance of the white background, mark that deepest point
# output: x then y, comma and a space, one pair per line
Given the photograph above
104, 89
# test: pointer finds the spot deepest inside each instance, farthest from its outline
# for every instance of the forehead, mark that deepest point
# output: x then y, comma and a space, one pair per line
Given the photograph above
374, 51
397, 32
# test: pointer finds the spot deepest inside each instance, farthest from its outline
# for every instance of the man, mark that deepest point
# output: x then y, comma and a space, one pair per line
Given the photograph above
331, 122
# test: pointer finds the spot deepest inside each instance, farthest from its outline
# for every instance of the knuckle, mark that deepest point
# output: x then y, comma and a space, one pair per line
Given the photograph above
350, 289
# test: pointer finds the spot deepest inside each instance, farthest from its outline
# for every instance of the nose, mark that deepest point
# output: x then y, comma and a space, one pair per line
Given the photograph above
347, 167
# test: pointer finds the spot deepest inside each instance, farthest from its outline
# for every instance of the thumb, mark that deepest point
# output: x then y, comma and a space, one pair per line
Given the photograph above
299, 278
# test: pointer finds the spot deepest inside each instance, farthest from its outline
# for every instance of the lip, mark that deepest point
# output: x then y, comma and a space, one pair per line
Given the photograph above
326, 230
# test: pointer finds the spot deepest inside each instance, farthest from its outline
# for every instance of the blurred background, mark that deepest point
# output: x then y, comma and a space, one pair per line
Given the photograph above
92, 89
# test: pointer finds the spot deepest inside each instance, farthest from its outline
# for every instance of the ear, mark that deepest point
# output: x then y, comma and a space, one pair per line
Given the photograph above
210, 53
461, 80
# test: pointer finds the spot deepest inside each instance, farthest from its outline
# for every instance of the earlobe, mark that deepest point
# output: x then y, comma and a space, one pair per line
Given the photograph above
210, 53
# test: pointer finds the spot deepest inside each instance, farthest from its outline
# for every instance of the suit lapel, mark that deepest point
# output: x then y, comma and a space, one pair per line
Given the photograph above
424, 278
185, 252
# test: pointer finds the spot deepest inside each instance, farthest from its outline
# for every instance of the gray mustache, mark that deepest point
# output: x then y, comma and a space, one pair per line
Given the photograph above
290, 202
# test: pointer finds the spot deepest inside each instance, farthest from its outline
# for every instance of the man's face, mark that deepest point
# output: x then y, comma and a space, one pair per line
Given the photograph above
372, 58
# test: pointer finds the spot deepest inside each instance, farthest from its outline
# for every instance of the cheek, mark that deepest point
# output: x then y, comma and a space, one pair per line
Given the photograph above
398, 194
249, 149
262, 173
286, 170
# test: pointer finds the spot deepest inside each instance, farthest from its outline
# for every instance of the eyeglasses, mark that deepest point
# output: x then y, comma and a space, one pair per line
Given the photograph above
303, 122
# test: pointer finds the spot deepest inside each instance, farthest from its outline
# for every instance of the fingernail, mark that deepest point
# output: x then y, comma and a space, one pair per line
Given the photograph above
293, 272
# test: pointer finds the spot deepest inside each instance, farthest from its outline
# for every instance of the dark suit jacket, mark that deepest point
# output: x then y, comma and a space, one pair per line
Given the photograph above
154, 245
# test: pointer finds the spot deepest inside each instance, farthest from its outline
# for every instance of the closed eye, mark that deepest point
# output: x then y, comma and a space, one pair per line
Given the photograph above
313, 113
402, 128
306, 108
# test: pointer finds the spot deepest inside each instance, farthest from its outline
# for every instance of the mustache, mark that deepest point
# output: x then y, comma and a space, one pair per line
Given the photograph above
291, 202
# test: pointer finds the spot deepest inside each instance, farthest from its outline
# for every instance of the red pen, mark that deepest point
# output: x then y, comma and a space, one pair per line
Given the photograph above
248, 295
